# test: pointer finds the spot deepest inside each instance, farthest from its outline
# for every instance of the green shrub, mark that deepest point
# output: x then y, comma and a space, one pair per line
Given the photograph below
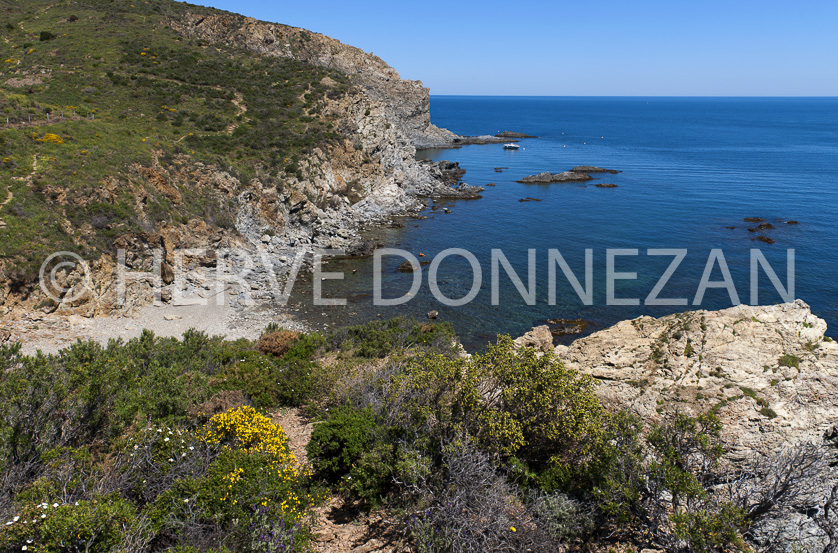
339, 442
96, 524
789, 360
254, 374
547, 416
379, 338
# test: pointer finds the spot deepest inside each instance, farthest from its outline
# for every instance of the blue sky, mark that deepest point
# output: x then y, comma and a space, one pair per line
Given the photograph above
585, 47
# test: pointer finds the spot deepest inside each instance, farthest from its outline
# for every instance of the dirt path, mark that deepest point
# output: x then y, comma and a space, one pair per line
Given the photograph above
340, 526
7, 200
238, 101
27, 179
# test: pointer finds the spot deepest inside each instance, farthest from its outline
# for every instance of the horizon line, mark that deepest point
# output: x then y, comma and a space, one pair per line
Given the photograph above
634, 96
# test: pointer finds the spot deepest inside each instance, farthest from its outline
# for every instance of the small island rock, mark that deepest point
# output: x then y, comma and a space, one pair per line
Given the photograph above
593, 169
547, 177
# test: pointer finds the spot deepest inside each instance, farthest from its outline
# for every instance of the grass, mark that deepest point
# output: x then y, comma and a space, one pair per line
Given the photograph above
789, 360
120, 88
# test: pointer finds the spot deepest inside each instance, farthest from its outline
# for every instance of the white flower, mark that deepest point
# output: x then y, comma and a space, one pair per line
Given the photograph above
43, 516
191, 448
186, 501
77, 503
136, 446
166, 440
8, 523
183, 454
158, 430
24, 548
171, 460
55, 505
15, 519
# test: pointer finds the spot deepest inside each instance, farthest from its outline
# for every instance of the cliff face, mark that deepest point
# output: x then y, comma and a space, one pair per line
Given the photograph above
404, 103
367, 178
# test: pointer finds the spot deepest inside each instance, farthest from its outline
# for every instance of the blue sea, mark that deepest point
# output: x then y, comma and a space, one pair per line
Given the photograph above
690, 168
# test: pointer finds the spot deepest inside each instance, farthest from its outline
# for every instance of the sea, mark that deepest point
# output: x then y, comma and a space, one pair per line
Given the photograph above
691, 171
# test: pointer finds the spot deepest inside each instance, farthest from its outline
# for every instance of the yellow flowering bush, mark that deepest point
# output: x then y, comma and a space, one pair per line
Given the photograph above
244, 428
254, 469
249, 474
51, 138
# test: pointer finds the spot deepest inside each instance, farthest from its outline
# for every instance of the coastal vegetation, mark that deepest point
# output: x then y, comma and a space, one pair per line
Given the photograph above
160, 444
94, 89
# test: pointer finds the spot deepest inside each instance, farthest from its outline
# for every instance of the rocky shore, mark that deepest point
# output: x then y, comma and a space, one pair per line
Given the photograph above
769, 372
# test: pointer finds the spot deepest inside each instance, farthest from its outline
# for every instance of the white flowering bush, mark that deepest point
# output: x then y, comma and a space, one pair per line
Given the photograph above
97, 524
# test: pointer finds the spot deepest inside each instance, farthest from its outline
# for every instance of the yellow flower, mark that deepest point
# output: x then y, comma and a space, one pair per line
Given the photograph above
51, 138
513, 528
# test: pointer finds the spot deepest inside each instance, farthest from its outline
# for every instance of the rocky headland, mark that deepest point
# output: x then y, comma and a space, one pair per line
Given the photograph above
334, 192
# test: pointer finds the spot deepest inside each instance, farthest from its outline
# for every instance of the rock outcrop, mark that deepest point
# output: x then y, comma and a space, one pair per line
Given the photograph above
548, 178
593, 169
539, 338
768, 372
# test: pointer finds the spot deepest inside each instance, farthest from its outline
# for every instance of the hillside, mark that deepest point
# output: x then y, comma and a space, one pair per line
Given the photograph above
163, 124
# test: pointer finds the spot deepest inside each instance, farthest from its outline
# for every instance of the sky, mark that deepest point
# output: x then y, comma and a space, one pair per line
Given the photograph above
584, 47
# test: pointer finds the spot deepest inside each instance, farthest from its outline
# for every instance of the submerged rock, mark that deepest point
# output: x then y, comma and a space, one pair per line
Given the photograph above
606, 185
754, 219
408, 267
529, 200
764, 226
765, 239
565, 327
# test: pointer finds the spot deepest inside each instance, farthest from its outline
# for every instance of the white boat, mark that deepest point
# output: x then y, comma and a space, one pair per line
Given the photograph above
511, 146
